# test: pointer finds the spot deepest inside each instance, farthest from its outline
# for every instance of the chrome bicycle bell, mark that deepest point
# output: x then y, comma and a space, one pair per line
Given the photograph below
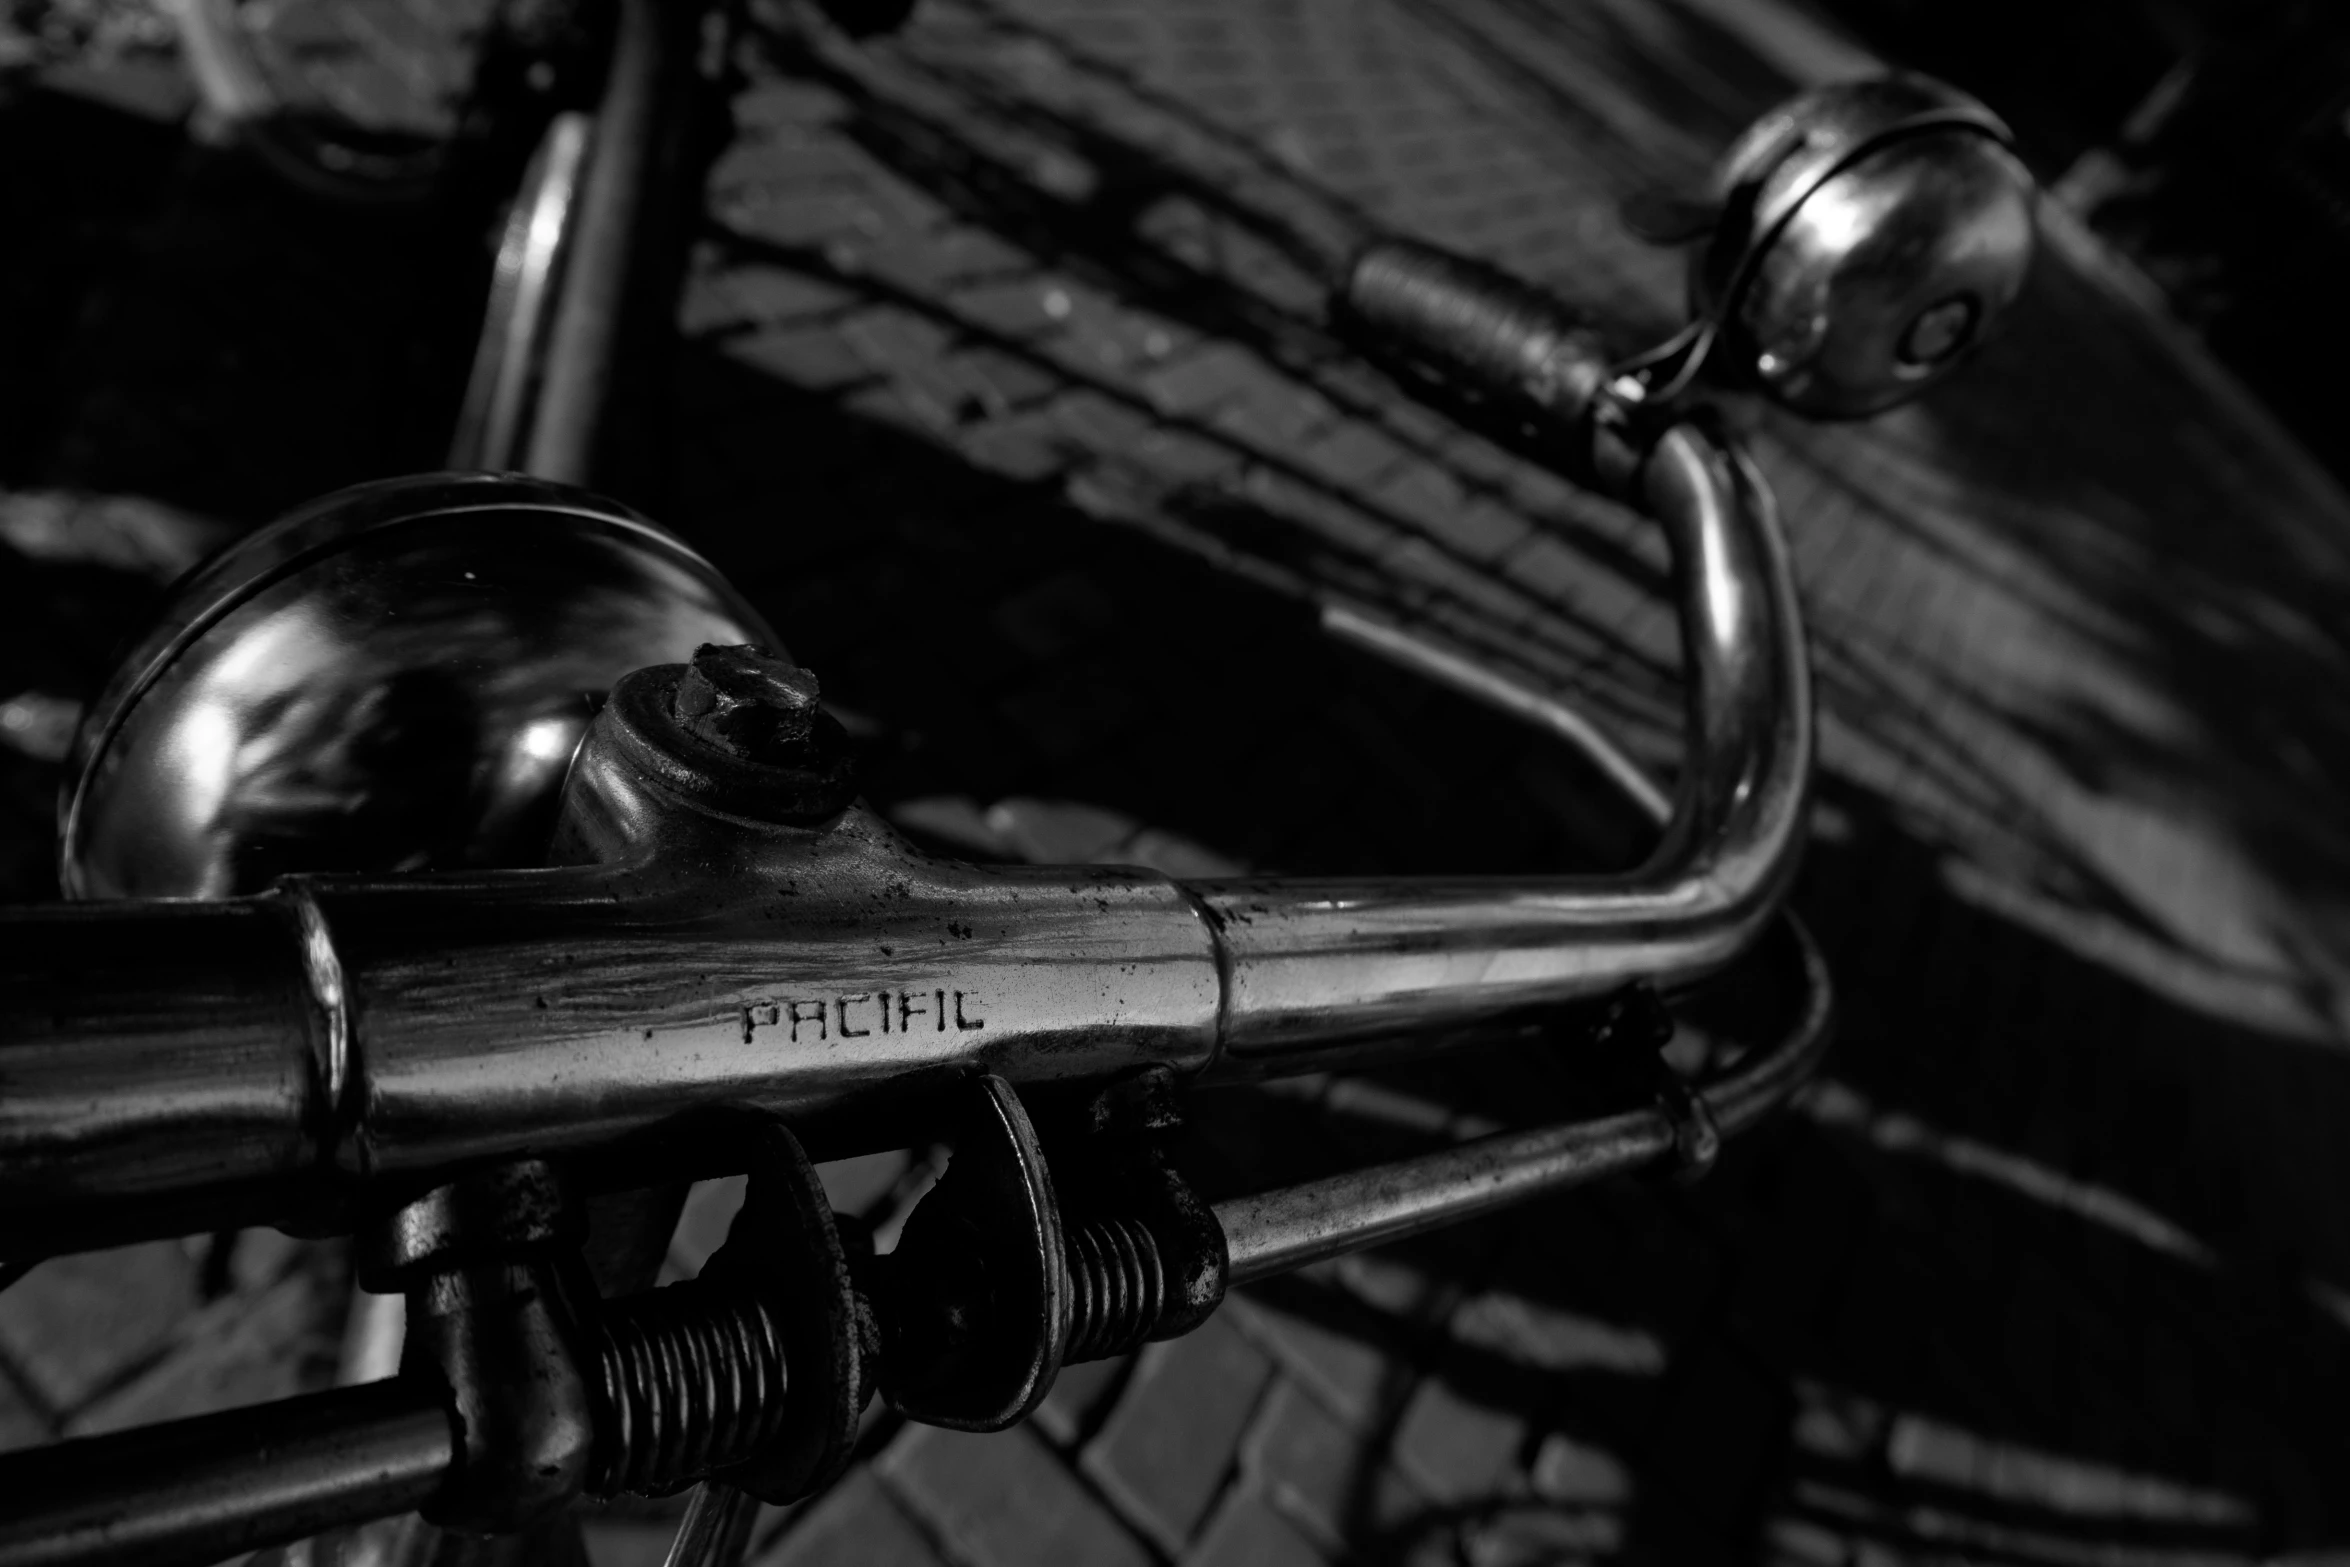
1861, 241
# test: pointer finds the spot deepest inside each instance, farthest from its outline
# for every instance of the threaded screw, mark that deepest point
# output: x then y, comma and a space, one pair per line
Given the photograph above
687, 1379
1117, 1289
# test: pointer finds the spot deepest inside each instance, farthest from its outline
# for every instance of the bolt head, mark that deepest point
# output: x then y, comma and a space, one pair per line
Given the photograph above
745, 701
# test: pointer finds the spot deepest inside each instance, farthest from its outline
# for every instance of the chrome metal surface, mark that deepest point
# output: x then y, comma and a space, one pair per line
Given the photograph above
1274, 1232
1871, 234
1316, 1220
493, 426
1793, 148
214, 1487
157, 1051
396, 1028
561, 1010
1886, 275
1281, 1230
1861, 241
586, 326
393, 678
1311, 962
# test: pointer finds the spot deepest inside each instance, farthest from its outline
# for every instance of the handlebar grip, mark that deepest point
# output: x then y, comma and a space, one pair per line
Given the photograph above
1482, 332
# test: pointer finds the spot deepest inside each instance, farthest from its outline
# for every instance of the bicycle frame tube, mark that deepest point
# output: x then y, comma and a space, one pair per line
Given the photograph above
260, 1058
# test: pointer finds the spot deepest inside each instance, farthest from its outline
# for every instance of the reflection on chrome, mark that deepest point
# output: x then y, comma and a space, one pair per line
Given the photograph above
393, 679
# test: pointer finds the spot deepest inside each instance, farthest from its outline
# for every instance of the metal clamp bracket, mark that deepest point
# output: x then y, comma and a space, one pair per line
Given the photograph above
974, 1301
1148, 1261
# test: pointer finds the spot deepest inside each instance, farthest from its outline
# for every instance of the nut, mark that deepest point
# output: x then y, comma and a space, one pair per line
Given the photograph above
746, 702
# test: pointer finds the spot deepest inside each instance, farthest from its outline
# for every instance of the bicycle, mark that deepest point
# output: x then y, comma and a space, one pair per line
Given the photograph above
1513, 354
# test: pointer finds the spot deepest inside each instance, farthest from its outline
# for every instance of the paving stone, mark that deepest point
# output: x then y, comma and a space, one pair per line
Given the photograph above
792, 219
1327, 1474
703, 1224
773, 103
1247, 1533
787, 163
808, 356
1205, 378
241, 1349
1836, 1424
963, 255
23, 1423
1491, 602
1003, 381
1424, 495
1332, 519
1273, 415
1004, 1500
1100, 423
1177, 457
909, 410
1484, 529
911, 347
1391, 1282
1530, 1536
1167, 1448
1353, 453
74, 1323
1544, 1337
1799, 1542
1023, 446
777, 296
1457, 1447
1338, 1349
1579, 1474
1550, 569
861, 1185
855, 1524
1080, 1396
258, 1258
1018, 307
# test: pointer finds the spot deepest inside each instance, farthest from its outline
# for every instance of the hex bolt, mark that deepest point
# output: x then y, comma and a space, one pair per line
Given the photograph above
746, 702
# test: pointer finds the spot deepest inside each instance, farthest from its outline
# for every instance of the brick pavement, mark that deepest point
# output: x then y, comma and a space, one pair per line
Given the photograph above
1003, 392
